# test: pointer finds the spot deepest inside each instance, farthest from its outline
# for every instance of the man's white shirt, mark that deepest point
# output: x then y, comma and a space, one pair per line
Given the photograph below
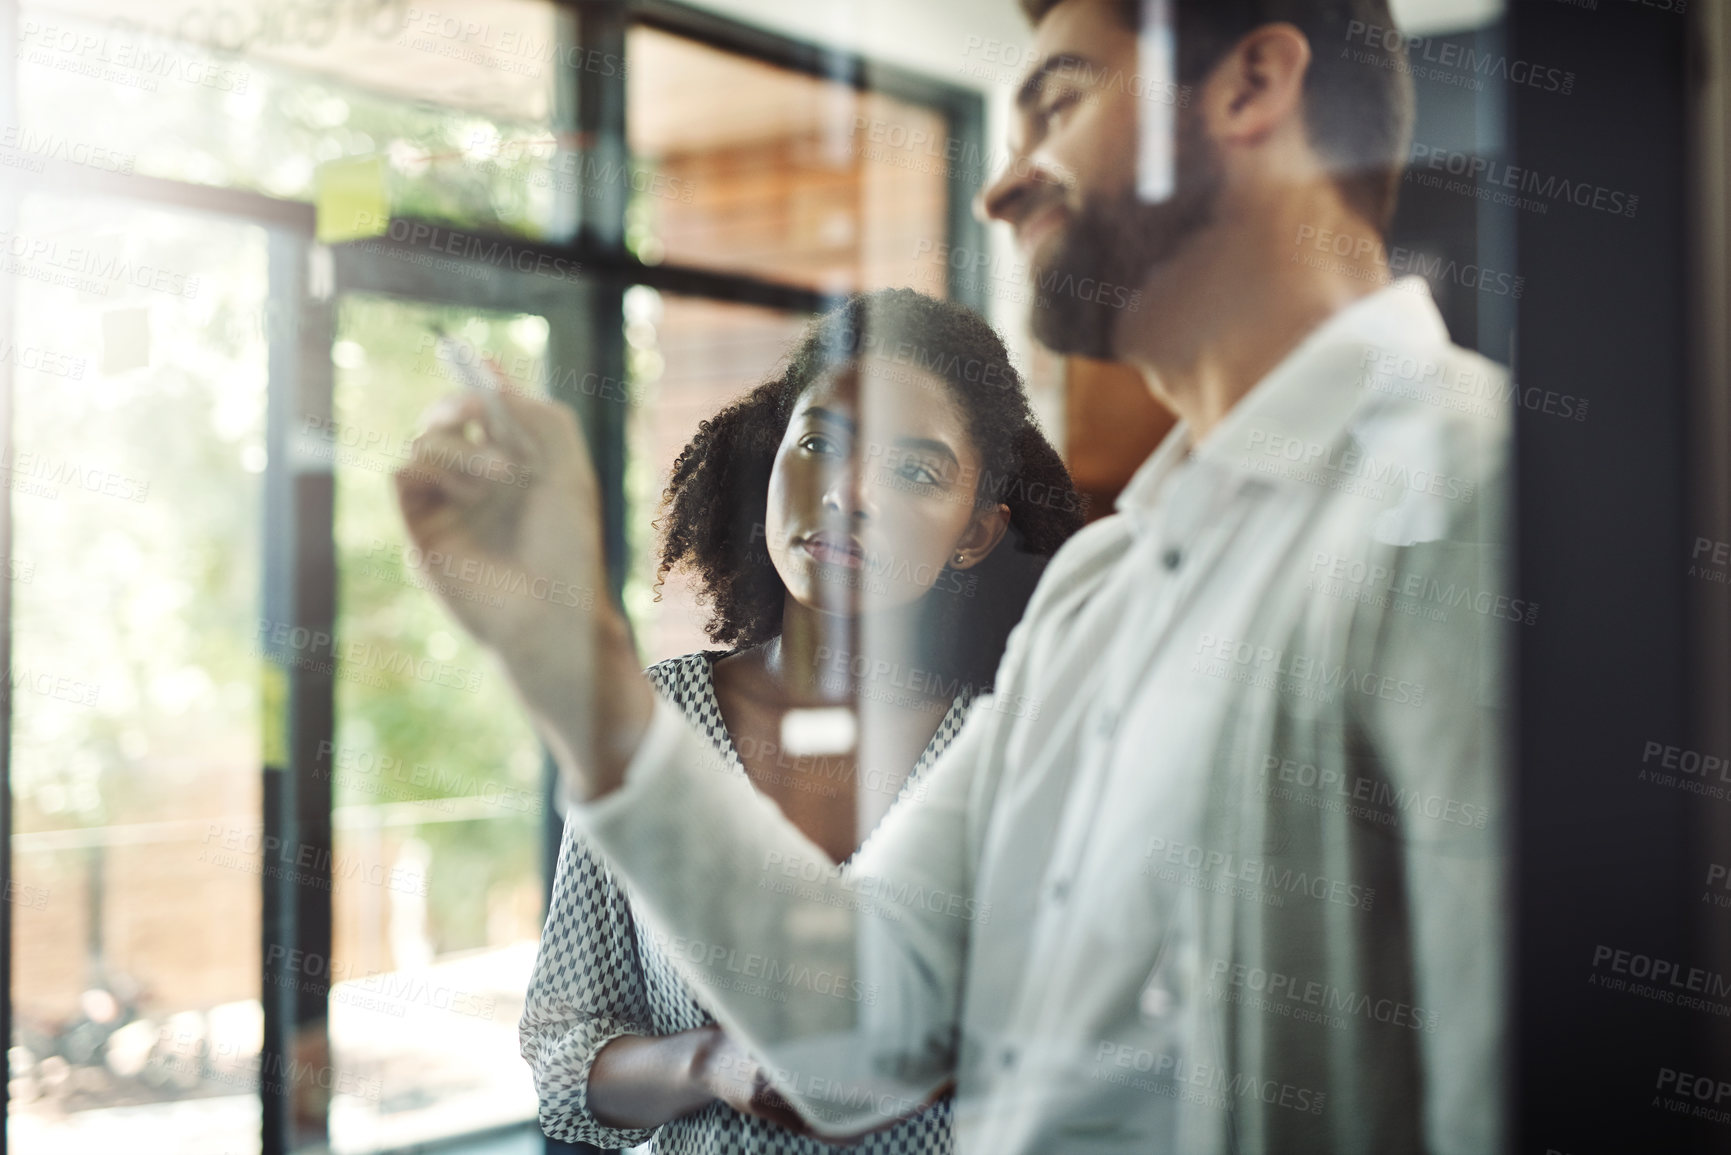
1219, 865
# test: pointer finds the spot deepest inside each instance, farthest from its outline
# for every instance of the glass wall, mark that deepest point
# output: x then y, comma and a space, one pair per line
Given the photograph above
160, 691
279, 839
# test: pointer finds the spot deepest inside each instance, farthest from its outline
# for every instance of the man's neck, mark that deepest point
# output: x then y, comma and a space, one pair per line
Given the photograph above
1222, 314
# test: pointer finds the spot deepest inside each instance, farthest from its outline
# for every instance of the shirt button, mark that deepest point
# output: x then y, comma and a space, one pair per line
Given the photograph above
1007, 1058
1108, 724
1156, 1001
1172, 557
1060, 890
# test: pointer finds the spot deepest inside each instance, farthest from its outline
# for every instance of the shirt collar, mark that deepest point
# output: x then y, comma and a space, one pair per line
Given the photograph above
1309, 397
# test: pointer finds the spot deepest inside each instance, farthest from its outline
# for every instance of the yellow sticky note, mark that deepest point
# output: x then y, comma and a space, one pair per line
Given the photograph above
351, 199
274, 713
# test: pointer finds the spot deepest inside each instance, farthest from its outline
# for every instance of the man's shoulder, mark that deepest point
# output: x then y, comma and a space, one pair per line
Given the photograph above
1441, 416
1089, 552
1453, 397
1078, 565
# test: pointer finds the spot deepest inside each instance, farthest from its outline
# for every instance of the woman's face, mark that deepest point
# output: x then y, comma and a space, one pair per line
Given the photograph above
872, 492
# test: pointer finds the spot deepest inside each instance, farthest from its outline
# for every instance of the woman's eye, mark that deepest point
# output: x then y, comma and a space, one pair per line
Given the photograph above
817, 443
924, 475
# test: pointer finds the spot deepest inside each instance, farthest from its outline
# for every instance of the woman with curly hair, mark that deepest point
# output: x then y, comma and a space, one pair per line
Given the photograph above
867, 527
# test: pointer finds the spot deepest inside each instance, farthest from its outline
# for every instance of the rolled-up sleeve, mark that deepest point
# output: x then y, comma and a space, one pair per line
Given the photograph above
587, 990
848, 992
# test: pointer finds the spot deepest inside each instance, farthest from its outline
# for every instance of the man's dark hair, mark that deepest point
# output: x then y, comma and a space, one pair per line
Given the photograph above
717, 496
1358, 98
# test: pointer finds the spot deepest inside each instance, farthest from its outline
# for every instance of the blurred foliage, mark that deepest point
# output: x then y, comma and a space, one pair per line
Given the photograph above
154, 607
136, 475
157, 603
154, 603
442, 739
266, 127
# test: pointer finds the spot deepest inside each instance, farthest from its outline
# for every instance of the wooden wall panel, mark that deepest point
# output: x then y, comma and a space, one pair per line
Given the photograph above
1111, 425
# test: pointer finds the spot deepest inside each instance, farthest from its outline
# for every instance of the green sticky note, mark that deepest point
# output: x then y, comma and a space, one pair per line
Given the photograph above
351, 199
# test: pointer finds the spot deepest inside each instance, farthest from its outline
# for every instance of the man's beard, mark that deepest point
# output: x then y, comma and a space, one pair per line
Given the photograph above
1100, 261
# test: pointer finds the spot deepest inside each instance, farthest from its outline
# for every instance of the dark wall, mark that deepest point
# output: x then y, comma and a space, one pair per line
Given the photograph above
1604, 859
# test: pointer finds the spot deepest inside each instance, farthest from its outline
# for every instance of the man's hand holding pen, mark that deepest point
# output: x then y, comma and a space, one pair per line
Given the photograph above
501, 502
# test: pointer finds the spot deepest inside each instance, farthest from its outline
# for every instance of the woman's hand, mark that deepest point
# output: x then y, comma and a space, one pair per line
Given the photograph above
501, 503
730, 1073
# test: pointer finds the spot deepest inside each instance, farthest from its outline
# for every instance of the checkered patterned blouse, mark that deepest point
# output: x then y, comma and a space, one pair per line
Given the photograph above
598, 975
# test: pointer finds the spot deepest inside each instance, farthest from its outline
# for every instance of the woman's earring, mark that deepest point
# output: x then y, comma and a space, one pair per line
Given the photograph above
961, 558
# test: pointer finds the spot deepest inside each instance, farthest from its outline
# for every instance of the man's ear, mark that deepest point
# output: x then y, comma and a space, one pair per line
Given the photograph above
1258, 86
981, 537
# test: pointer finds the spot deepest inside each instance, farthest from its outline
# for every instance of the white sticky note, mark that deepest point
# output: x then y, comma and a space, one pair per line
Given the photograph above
125, 340
833, 730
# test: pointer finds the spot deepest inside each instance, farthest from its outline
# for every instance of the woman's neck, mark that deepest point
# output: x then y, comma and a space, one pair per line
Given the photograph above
823, 659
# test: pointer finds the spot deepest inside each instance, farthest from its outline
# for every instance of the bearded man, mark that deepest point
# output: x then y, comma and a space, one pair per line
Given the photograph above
1221, 869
